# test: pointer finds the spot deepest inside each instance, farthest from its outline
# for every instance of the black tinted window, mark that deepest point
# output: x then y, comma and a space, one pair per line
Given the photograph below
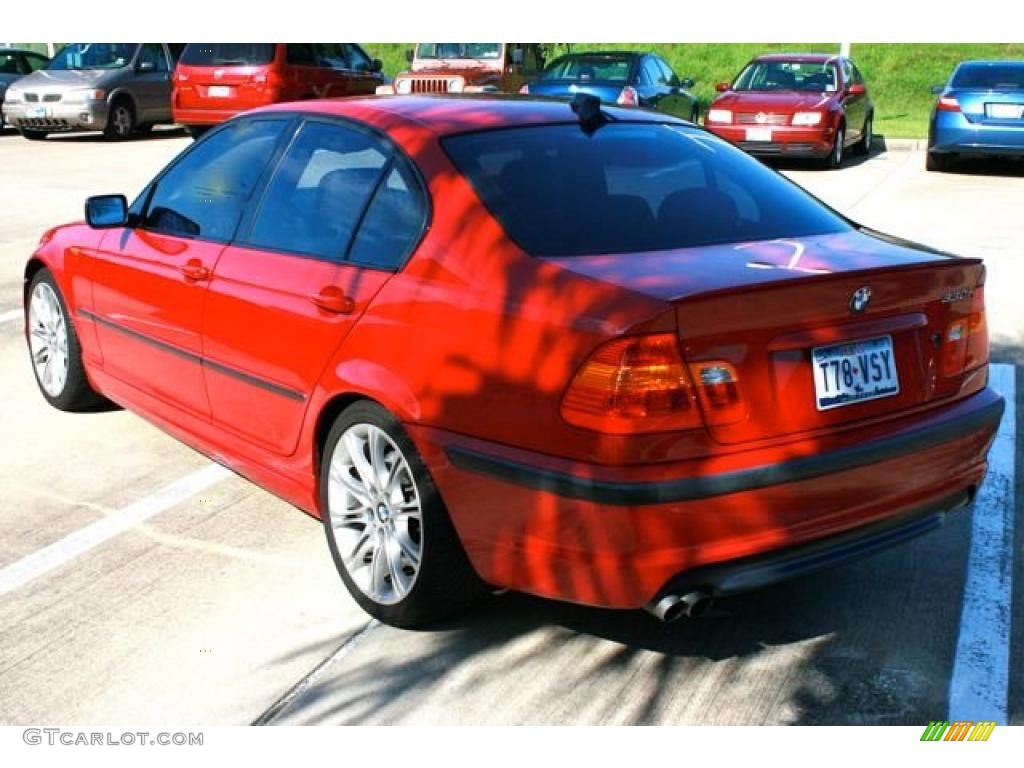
153, 53
990, 77
205, 193
300, 53
393, 222
630, 187
227, 54
320, 190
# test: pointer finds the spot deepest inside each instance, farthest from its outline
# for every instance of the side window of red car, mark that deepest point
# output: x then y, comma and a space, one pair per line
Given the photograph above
300, 54
394, 221
204, 194
357, 58
320, 191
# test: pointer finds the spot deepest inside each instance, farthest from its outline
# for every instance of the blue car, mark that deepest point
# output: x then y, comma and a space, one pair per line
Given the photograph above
980, 111
618, 77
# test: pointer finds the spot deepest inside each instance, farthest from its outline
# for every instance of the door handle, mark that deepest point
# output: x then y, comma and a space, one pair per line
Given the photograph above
194, 270
332, 299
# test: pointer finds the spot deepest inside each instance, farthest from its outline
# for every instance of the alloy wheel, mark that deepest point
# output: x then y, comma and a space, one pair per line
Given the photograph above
48, 339
375, 513
122, 119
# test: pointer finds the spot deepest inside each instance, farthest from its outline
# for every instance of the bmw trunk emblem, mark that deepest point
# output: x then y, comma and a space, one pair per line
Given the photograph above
860, 299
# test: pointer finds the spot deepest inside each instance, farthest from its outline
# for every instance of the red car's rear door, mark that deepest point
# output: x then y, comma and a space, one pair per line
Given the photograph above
309, 262
150, 281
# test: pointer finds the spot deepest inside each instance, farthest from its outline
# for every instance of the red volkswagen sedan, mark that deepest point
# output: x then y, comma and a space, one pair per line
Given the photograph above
806, 105
604, 358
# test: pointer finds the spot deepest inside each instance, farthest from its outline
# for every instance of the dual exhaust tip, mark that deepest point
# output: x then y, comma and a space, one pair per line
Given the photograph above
673, 606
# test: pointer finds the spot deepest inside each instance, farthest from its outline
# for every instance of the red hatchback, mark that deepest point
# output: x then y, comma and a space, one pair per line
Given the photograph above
806, 105
215, 81
611, 360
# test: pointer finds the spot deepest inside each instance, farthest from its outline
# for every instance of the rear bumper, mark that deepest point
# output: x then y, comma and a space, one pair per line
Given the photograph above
57, 117
786, 140
616, 536
203, 116
952, 133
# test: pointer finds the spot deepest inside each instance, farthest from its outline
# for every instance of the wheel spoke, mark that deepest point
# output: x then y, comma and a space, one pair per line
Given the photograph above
357, 554
376, 444
341, 476
408, 548
354, 445
399, 581
379, 568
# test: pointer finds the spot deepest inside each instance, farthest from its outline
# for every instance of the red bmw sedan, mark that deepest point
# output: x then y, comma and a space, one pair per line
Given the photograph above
796, 105
594, 354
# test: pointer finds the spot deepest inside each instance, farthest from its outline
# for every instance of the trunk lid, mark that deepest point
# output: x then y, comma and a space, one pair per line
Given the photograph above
986, 107
764, 308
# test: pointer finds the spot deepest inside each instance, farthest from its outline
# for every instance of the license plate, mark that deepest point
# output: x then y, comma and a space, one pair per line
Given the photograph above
759, 134
1005, 111
38, 112
219, 91
854, 372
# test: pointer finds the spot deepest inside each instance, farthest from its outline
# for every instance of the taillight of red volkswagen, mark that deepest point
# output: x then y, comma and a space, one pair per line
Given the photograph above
593, 354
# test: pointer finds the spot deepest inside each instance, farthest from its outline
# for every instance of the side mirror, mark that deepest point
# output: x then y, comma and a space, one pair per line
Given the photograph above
517, 57
106, 211
146, 66
937, 89
687, 82
857, 89
409, 55
721, 87
376, 65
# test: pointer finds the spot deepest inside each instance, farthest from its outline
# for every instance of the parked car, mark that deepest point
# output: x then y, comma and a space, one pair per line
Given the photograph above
806, 105
467, 68
15, 64
618, 77
609, 359
215, 81
980, 111
116, 88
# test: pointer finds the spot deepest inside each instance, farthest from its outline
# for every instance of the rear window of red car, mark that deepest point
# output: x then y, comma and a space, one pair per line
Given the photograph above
630, 187
227, 54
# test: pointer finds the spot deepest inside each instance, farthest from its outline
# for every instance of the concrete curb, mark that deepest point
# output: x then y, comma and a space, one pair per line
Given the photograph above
900, 145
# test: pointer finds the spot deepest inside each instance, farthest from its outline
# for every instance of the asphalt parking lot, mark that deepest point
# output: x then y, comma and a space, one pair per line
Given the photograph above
139, 585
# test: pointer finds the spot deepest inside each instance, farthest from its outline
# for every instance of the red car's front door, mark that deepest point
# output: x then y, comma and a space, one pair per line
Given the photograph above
150, 281
284, 296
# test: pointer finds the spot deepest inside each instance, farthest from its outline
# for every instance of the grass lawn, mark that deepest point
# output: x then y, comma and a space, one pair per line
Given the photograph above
899, 75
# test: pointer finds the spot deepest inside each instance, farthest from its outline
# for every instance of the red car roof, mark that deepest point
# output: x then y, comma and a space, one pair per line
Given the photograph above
442, 115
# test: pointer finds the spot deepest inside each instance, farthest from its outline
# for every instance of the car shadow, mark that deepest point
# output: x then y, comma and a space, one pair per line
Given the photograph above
986, 166
842, 647
851, 160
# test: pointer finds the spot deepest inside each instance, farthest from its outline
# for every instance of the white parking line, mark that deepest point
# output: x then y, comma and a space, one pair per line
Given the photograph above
11, 315
981, 671
59, 553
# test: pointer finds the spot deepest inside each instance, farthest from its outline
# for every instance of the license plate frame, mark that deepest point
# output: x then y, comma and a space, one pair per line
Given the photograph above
36, 111
840, 378
1005, 111
219, 91
759, 134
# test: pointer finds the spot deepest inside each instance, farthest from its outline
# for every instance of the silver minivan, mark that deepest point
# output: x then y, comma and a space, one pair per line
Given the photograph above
116, 88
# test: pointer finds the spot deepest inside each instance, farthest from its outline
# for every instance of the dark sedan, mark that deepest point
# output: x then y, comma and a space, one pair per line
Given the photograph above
15, 64
980, 111
619, 77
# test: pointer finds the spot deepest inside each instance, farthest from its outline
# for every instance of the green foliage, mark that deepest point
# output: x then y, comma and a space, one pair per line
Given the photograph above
899, 75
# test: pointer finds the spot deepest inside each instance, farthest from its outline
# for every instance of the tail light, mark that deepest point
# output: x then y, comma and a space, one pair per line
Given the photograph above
718, 389
633, 385
180, 77
948, 104
272, 80
965, 341
524, 88
628, 97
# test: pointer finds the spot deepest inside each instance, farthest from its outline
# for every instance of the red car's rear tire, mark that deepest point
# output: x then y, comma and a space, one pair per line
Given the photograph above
387, 528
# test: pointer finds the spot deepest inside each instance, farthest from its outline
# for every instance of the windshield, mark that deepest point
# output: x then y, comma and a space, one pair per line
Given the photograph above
93, 56
990, 77
221, 54
630, 187
813, 76
458, 51
587, 68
